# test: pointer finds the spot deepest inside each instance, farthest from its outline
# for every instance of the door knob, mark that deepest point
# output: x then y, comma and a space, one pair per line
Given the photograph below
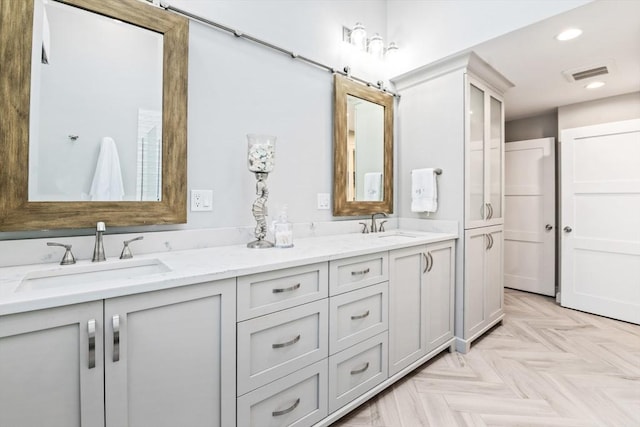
548, 227
568, 229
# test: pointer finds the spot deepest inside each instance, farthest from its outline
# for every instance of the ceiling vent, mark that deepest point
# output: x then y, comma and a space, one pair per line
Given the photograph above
582, 73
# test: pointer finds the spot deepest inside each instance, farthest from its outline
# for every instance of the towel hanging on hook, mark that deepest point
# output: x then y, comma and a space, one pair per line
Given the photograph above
424, 190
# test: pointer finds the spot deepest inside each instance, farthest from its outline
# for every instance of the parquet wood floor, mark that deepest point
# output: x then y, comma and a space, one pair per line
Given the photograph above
544, 366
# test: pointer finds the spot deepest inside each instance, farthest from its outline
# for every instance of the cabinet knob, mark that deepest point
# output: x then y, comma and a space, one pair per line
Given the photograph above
548, 227
568, 229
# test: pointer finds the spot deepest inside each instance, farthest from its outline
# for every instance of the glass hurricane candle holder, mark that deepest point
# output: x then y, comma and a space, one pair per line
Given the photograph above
260, 161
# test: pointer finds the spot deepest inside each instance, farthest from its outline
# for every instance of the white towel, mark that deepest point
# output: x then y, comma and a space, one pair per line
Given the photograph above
107, 180
424, 191
373, 186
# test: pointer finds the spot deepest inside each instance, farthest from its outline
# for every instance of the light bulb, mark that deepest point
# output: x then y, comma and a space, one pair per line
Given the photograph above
569, 34
376, 46
595, 85
358, 36
392, 50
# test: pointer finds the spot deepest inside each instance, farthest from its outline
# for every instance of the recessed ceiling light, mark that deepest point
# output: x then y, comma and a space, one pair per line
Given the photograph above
594, 85
569, 34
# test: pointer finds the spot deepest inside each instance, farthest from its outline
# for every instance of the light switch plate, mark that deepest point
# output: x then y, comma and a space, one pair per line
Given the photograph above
201, 200
323, 201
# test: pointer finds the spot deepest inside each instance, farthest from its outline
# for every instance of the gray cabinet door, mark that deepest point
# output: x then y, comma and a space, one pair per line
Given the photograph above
170, 357
51, 367
440, 278
407, 307
483, 281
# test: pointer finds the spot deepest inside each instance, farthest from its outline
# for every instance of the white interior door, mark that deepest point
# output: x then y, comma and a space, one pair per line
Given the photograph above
529, 224
600, 213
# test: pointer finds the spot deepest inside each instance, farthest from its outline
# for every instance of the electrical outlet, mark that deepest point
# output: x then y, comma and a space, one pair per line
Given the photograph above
323, 201
201, 200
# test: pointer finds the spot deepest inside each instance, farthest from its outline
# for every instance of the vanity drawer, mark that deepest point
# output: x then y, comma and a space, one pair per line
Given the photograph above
264, 293
357, 272
299, 399
356, 370
358, 315
272, 346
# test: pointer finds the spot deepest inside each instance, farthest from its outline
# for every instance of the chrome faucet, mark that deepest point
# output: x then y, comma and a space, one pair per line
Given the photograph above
374, 225
126, 251
98, 249
68, 257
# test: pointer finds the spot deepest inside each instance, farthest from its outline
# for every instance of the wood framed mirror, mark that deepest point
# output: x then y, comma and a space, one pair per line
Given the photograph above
362, 149
17, 211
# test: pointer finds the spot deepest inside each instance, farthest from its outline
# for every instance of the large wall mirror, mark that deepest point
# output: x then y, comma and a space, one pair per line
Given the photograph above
363, 149
94, 112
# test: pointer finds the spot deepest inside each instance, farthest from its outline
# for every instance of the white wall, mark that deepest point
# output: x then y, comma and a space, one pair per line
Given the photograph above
236, 87
611, 109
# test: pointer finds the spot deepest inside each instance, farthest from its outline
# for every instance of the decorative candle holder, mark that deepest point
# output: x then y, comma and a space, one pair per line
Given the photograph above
260, 160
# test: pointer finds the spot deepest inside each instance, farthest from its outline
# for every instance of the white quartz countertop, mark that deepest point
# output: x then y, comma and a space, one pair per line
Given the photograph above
190, 266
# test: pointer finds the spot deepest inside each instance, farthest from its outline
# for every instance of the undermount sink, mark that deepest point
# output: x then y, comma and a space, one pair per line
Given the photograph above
398, 233
90, 273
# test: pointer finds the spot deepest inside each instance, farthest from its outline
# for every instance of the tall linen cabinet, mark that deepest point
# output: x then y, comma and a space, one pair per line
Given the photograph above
451, 116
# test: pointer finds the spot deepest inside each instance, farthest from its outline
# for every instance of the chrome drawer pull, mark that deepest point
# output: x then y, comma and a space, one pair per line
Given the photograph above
115, 321
361, 272
286, 411
91, 328
426, 263
360, 316
289, 289
361, 370
286, 344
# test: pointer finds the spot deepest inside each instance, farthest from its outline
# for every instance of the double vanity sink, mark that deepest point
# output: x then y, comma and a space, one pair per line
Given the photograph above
37, 286
296, 336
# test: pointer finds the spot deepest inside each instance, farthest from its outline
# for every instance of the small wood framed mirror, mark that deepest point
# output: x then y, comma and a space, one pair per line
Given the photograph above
362, 149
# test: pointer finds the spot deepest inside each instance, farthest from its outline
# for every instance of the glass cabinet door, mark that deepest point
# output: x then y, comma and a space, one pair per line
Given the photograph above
484, 154
476, 184
495, 148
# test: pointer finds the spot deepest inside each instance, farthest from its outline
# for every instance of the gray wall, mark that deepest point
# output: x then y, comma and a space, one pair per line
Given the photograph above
605, 110
542, 126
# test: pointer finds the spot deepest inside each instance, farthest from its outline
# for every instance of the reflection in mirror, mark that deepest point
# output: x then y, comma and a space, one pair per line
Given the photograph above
365, 135
150, 147
149, 159
90, 64
363, 149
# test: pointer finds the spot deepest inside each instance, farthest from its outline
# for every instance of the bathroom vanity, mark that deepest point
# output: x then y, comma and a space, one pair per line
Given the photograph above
226, 335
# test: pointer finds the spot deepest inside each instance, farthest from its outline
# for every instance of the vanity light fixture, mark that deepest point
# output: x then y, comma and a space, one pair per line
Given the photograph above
392, 50
357, 36
569, 34
595, 85
376, 46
